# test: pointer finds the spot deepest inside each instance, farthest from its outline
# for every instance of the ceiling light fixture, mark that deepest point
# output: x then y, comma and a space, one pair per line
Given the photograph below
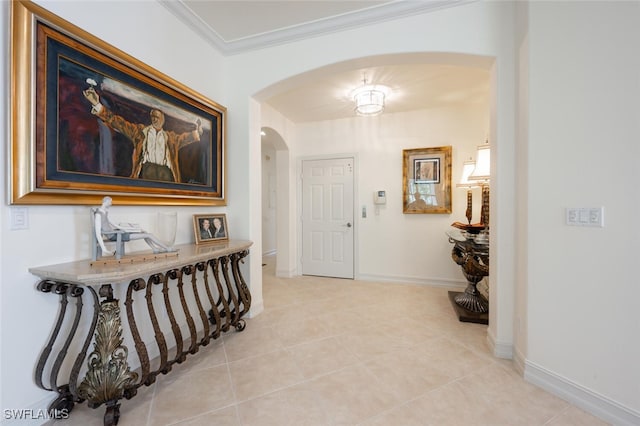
369, 98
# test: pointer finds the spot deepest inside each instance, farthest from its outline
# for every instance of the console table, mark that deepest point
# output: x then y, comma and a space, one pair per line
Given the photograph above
213, 297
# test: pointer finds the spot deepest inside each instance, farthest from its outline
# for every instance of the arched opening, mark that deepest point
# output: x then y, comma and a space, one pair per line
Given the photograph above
502, 311
276, 232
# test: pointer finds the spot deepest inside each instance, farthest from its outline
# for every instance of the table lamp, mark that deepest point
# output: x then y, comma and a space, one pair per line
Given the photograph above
481, 175
467, 169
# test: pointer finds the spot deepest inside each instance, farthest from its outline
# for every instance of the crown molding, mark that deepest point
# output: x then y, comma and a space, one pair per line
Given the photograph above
374, 14
193, 21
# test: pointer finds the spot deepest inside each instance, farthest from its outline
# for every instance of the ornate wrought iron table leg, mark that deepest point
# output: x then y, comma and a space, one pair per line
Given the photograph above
109, 373
67, 395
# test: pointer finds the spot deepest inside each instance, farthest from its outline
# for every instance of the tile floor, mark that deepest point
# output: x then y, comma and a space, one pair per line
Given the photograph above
341, 352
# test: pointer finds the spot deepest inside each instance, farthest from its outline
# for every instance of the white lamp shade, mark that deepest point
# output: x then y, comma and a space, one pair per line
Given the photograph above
482, 171
467, 168
369, 101
370, 98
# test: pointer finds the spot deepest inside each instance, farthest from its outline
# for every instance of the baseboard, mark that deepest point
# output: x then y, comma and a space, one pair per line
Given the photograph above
285, 273
269, 253
499, 349
256, 308
433, 282
598, 405
519, 361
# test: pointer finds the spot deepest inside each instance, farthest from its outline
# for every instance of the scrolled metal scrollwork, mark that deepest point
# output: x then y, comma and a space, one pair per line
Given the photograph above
193, 347
137, 285
45, 286
75, 292
243, 290
108, 373
165, 366
200, 267
75, 371
225, 311
173, 274
66, 392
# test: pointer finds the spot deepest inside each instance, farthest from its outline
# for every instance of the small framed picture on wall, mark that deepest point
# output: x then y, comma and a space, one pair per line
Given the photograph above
426, 180
210, 228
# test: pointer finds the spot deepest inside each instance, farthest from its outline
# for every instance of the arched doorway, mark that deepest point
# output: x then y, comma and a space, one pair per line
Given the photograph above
500, 332
276, 229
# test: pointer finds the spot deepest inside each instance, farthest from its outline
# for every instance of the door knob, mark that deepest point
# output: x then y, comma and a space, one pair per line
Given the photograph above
348, 225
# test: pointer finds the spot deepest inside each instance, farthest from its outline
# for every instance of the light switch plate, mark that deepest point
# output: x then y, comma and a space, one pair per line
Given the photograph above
19, 218
596, 216
585, 216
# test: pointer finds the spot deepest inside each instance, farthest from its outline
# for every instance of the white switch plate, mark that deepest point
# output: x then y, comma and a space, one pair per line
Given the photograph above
19, 218
585, 216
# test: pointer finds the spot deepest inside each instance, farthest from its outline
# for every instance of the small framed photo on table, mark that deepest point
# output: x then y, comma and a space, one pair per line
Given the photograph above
210, 228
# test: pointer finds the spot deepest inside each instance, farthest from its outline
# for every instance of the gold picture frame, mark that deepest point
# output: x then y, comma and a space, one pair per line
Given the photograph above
210, 228
426, 180
80, 110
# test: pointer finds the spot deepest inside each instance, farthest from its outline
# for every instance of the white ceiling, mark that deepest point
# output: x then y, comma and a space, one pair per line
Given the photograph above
413, 86
238, 26
264, 17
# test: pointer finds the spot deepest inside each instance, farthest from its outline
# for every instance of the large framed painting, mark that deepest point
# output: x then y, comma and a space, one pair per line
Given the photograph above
426, 180
88, 120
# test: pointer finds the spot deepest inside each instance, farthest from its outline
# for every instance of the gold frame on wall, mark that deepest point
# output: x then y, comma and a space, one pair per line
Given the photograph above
426, 180
47, 52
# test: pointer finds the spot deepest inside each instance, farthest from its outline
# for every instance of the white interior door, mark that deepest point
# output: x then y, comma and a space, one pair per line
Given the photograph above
327, 218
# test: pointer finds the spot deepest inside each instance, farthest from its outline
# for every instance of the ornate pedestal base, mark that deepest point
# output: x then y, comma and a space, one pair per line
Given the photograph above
465, 315
471, 252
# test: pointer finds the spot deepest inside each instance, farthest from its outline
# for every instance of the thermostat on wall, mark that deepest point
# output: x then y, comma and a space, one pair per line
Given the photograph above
380, 197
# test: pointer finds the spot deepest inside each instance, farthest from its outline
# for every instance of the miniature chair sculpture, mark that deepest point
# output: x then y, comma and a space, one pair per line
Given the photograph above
99, 238
104, 231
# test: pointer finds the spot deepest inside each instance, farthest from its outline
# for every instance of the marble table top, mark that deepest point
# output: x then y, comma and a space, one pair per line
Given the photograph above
87, 272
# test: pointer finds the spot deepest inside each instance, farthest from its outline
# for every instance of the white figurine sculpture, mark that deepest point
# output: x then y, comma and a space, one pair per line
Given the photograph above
104, 229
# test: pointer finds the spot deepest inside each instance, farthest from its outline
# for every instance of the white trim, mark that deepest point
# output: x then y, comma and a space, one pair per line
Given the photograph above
269, 253
193, 21
499, 349
255, 309
598, 405
519, 361
285, 273
403, 279
374, 14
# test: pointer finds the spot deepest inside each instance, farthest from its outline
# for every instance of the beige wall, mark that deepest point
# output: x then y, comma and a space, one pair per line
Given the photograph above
393, 245
584, 122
